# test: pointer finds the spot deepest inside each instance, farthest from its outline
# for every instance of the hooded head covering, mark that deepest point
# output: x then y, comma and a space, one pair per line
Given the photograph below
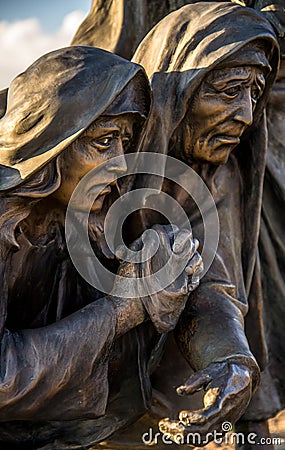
189, 43
56, 99
179, 52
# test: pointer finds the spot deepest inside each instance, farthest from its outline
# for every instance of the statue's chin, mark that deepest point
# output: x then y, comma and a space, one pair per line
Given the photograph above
218, 154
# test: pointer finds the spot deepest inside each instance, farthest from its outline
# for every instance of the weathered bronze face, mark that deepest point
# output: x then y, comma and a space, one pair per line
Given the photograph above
222, 109
106, 138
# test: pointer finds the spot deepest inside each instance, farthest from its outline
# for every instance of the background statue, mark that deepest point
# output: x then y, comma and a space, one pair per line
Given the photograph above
120, 25
72, 359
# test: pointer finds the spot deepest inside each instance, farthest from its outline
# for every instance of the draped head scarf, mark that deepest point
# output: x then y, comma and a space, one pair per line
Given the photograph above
56, 99
178, 53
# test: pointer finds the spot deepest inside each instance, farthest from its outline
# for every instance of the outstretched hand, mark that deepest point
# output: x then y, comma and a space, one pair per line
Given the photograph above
228, 389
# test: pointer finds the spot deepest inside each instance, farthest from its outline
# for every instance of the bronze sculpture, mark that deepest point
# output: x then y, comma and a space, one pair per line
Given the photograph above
254, 319
127, 36
120, 25
63, 342
252, 65
191, 54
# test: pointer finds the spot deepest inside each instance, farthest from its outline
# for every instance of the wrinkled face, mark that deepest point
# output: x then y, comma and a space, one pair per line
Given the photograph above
222, 109
103, 140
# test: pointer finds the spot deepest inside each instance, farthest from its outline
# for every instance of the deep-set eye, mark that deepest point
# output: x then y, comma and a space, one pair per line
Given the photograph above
255, 93
232, 91
106, 141
126, 140
103, 143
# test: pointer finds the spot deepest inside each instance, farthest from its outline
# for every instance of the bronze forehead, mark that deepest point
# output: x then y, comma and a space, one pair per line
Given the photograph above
111, 121
243, 73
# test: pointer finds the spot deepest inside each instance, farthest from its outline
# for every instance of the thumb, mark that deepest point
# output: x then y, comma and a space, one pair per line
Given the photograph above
195, 383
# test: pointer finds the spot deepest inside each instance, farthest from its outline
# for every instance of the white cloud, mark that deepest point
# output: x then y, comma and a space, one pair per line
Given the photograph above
23, 41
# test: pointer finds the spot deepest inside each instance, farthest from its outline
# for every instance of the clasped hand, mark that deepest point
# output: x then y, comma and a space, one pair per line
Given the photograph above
165, 303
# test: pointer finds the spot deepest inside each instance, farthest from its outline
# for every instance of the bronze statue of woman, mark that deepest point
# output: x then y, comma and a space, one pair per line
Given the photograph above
211, 66
72, 358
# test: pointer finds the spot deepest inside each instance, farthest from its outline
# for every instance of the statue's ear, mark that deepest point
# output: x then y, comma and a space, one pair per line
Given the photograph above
3, 101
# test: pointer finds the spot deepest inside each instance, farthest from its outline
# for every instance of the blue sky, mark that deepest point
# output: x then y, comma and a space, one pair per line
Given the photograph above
31, 28
49, 12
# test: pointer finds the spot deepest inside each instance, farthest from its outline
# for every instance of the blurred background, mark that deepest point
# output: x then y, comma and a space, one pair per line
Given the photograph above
30, 28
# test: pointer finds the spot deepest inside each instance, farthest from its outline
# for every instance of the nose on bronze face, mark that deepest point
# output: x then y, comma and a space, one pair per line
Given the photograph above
117, 165
244, 110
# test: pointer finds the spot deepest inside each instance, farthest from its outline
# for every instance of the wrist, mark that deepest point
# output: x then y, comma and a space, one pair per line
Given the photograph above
129, 312
250, 363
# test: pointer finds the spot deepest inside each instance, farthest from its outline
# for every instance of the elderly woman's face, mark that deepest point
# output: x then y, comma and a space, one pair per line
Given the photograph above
103, 140
222, 109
